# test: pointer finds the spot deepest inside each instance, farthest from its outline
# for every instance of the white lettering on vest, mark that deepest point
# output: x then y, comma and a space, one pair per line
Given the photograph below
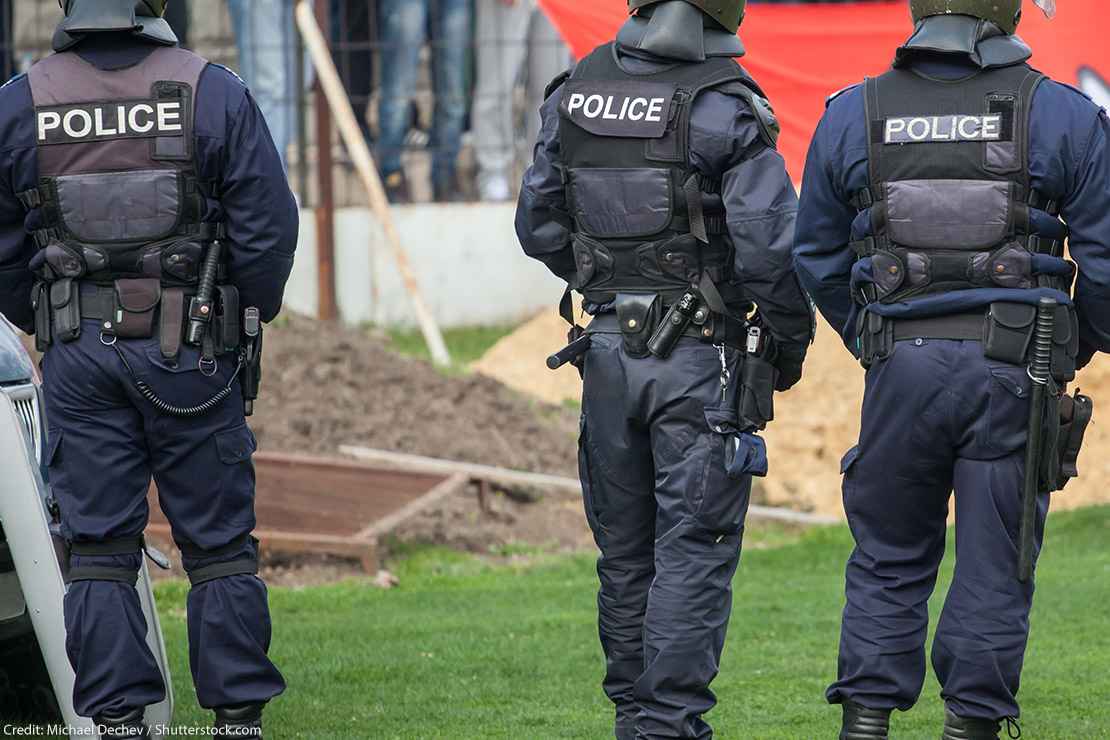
169, 116
633, 114
48, 121
92, 121
594, 105
101, 129
942, 129
86, 123
617, 107
133, 118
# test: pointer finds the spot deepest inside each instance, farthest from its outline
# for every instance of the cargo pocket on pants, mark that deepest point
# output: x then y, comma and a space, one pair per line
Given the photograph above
585, 475
234, 448
1008, 422
733, 459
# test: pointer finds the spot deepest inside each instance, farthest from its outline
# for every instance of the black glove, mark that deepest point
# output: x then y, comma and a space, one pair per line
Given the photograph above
1087, 353
789, 359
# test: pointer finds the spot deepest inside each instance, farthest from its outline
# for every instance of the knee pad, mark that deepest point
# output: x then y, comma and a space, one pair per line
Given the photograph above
220, 562
116, 547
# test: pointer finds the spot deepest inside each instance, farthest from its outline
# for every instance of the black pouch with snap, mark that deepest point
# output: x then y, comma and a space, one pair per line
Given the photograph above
757, 393
638, 315
1065, 344
136, 300
227, 325
65, 310
1009, 332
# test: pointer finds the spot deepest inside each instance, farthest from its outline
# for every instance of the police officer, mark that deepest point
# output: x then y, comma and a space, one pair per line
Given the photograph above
126, 164
936, 202
657, 193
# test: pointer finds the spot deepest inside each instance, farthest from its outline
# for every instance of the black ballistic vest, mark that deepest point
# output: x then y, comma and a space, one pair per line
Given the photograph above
117, 185
644, 221
949, 190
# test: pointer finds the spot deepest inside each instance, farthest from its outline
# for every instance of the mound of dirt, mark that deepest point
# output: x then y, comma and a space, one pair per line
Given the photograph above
326, 385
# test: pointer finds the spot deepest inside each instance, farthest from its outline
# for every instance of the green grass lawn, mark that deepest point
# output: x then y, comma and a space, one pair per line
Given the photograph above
465, 344
467, 650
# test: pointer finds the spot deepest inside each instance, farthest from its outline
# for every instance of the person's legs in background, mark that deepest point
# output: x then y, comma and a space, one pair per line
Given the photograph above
352, 30
548, 57
501, 39
265, 36
177, 15
451, 28
7, 43
403, 25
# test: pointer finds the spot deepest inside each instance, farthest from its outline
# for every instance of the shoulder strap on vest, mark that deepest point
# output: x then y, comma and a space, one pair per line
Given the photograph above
555, 84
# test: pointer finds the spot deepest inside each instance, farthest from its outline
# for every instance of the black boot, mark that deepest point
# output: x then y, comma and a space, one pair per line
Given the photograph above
244, 716
967, 728
861, 723
126, 724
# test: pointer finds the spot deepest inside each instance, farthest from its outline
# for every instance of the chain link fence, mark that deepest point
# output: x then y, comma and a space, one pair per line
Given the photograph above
447, 91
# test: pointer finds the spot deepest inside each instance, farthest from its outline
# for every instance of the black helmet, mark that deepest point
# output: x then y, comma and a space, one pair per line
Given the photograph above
140, 17
1006, 14
729, 14
147, 8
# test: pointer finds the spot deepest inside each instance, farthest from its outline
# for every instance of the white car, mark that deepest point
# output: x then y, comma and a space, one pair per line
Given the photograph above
36, 681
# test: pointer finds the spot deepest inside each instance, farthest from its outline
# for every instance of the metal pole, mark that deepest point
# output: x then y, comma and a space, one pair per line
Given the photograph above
327, 309
371, 180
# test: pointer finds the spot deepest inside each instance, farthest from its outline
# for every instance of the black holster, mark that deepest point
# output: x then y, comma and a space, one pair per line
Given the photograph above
1075, 414
876, 338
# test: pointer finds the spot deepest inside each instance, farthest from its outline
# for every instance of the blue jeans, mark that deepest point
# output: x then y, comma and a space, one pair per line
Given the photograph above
265, 37
405, 25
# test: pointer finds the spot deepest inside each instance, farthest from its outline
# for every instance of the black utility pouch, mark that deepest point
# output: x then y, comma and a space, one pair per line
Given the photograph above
876, 338
40, 303
65, 310
638, 316
1065, 345
227, 328
136, 300
1076, 413
1009, 331
757, 393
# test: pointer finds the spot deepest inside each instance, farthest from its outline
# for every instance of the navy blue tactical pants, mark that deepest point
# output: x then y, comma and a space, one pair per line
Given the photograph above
937, 416
668, 519
105, 444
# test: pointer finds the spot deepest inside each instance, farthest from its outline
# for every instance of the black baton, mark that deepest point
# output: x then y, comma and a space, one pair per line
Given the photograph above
1040, 369
570, 353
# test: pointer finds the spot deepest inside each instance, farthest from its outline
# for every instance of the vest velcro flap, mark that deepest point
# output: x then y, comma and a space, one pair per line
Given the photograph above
616, 202
948, 214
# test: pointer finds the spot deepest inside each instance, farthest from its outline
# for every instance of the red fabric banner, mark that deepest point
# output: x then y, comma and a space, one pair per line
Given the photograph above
801, 54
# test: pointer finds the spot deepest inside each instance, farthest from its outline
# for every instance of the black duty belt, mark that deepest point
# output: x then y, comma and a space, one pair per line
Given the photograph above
961, 326
736, 331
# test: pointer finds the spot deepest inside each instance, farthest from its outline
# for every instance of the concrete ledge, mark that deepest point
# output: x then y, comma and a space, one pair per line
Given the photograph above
466, 256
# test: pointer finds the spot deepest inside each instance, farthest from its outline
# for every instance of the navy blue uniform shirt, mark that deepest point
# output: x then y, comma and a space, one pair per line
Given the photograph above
1069, 161
725, 143
234, 150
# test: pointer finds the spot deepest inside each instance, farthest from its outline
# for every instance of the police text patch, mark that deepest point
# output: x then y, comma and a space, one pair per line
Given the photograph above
942, 129
135, 119
631, 110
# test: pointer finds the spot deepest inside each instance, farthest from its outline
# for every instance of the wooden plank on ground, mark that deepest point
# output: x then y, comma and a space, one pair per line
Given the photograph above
505, 476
